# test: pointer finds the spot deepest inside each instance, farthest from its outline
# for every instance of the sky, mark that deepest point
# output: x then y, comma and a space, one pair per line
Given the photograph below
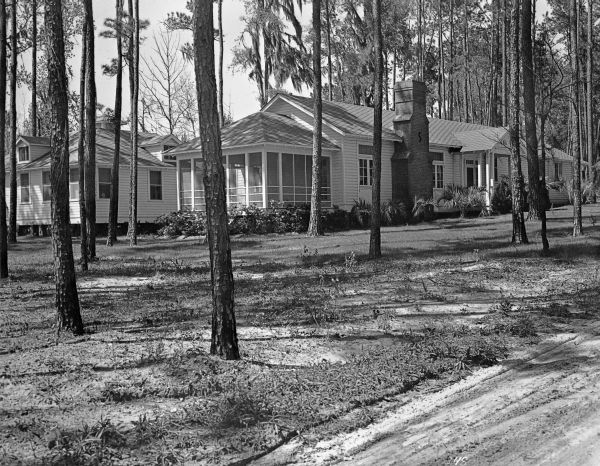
240, 94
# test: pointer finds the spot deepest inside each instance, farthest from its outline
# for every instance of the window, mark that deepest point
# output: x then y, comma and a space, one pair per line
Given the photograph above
365, 172
273, 182
24, 154
438, 175
365, 150
255, 178
24, 183
199, 202
472, 172
155, 185
495, 162
46, 189
104, 176
557, 171
237, 179
185, 184
74, 183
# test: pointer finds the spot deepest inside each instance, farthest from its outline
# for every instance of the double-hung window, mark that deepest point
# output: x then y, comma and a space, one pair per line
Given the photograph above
156, 185
46, 189
74, 184
365, 172
438, 175
104, 176
557, 171
24, 154
24, 183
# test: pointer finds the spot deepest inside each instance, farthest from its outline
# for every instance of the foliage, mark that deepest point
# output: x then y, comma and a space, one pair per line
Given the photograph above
183, 222
502, 197
423, 209
392, 213
462, 198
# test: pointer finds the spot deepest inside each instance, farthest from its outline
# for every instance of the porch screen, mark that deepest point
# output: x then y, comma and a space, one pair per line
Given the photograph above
255, 182
273, 177
296, 173
237, 179
199, 203
185, 184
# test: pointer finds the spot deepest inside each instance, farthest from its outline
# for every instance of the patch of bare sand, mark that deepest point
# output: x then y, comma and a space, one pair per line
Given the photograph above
536, 408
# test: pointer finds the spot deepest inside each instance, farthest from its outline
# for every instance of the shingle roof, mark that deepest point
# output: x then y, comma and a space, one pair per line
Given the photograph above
153, 139
40, 141
482, 139
105, 143
259, 128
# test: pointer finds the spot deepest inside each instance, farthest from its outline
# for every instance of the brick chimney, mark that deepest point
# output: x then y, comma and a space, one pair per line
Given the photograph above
412, 174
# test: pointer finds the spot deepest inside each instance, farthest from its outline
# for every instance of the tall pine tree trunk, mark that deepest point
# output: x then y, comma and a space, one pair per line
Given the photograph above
134, 83
505, 63
12, 221
3, 225
576, 131
519, 234
451, 64
221, 52
224, 333
537, 206
67, 300
329, 63
440, 61
34, 38
375, 239
81, 153
90, 132
466, 84
315, 227
113, 211
590, 101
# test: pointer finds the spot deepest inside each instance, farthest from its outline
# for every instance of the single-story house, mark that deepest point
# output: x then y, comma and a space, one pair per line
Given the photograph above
157, 193
267, 155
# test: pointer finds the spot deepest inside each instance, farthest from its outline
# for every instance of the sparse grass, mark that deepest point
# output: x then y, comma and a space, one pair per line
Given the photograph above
325, 334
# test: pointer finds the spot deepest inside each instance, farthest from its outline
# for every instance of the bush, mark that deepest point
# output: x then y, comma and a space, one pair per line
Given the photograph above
182, 222
392, 213
502, 197
462, 198
423, 209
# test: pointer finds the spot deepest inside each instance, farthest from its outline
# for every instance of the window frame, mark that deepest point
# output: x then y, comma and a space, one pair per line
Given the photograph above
558, 171
27, 151
369, 172
49, 184
104, 183
74, 183
151, 185
22, 187
436, 179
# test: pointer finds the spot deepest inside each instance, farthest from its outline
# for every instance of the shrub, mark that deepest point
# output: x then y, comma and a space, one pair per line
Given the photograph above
182, 222
393, 213
423, 209
462, 198
502, 197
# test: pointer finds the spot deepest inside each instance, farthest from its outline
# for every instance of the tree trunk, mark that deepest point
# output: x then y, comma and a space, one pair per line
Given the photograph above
224, 333
3, 225
519, 234
573, 23
12, 221
505, 65
113, 212
134, 84
67, 300
90, 133
81, 152
315, 227
221, 110
440, 60
34, 38
375, 240
419, 40
466, 88
590, 101
451, 65
329, 64
537, 206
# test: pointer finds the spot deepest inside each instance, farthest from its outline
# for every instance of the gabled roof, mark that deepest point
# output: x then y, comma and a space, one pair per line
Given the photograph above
259, 128
105, 146
482, 139
347, 118
155, 139
35, 141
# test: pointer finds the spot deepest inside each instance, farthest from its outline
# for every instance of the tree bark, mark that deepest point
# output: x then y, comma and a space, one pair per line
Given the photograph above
590, 101
315, 227
505, 63
12, 221
375, 239
81, 152
34, 38
329, 64
466, 86
451, 65
519, 233
440, 61
576, 132
67, 300
3, 225
113, 211
537, 206
221, 110
90, 133
224, 333
134, 82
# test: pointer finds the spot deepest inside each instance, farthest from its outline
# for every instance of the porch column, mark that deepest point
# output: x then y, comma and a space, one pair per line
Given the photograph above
193, 182
177, 172
264, 178
247, 173
488, 156
480, 170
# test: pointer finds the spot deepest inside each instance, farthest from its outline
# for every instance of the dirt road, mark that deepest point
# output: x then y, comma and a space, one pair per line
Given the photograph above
541, 407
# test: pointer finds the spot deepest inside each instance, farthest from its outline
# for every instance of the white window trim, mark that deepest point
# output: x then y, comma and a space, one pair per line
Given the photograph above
369, 172
162, 184
103, 199
42, 185
73, 182
438, 163
28, 154
28, 187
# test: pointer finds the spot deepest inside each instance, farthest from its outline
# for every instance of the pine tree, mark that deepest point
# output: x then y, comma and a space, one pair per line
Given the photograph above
3, 225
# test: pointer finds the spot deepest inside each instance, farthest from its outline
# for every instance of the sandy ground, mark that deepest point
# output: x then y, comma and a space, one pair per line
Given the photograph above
539, 407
